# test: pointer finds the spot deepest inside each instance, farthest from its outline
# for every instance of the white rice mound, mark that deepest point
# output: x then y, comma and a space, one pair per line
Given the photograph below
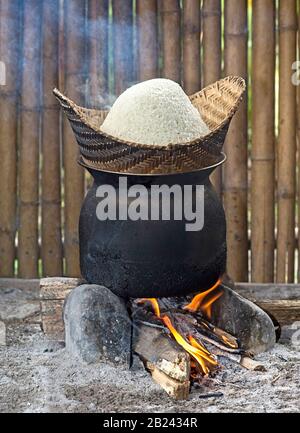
155, 112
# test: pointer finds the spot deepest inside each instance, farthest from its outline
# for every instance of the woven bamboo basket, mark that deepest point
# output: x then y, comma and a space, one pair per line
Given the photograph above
216, 103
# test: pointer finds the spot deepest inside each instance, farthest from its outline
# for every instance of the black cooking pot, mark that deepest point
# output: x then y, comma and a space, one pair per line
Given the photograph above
152, 258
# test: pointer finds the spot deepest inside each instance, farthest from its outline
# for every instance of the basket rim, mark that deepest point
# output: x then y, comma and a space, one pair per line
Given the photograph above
128, 173
229, 80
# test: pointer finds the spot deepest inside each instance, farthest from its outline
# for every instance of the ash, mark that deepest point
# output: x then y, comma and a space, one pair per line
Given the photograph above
38, 375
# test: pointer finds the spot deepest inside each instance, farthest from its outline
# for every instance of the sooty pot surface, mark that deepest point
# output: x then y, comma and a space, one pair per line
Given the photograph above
152, 258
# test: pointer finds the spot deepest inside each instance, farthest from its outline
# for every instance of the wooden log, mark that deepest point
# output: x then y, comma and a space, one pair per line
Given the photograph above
52, 319
263, 143
53, 292
98, 52
286, 143
174, 388
273, 291
28, 251
9, 56
235, 169
51, 248
171, 42
54, 288
147, 39
74, 79
20, 283
191, 46
123, 44
156, 348
285, 312
211, 19
167, 362
251, 364
280, 300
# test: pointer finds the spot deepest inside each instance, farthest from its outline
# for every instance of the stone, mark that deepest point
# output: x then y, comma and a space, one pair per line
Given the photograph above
242, 318
2, 334
97, 325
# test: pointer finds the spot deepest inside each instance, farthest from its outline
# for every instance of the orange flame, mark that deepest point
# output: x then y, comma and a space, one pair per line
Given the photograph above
193, 347
206, 308
196, 352
197, 301
228, 342
154, 304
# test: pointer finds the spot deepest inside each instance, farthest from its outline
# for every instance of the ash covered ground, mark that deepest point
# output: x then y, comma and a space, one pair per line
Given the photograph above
38, 375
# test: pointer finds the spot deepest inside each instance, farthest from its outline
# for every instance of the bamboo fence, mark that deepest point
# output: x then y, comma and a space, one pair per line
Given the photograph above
93, 50
263, 142
212, 58
147, 39
191, 46
9, 56
170, 14
74, 84
51, 236
236, 146
28, 251
286, 143
123, 44
98, 51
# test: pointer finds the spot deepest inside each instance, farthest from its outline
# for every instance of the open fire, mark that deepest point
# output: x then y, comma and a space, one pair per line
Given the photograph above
191, 338
173, 333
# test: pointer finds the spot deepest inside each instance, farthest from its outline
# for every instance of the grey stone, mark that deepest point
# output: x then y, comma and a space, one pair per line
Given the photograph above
97, 325
137, 363
245, 320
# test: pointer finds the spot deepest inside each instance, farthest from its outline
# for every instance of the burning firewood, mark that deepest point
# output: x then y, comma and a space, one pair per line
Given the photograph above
174, 388
164, 322
167, 362
155, 348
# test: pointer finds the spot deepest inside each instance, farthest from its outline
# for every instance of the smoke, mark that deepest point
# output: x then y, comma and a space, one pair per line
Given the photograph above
92, 49
103, 47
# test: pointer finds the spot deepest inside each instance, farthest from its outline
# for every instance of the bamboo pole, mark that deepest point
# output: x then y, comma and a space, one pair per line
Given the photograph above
235, 170
263, 145
61, 48
98, 52
51, 249
74, 79
29, 142
297, 75
171, 42
286, 143
123, 44
211, 19
147, 39
191, 46
9, 55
